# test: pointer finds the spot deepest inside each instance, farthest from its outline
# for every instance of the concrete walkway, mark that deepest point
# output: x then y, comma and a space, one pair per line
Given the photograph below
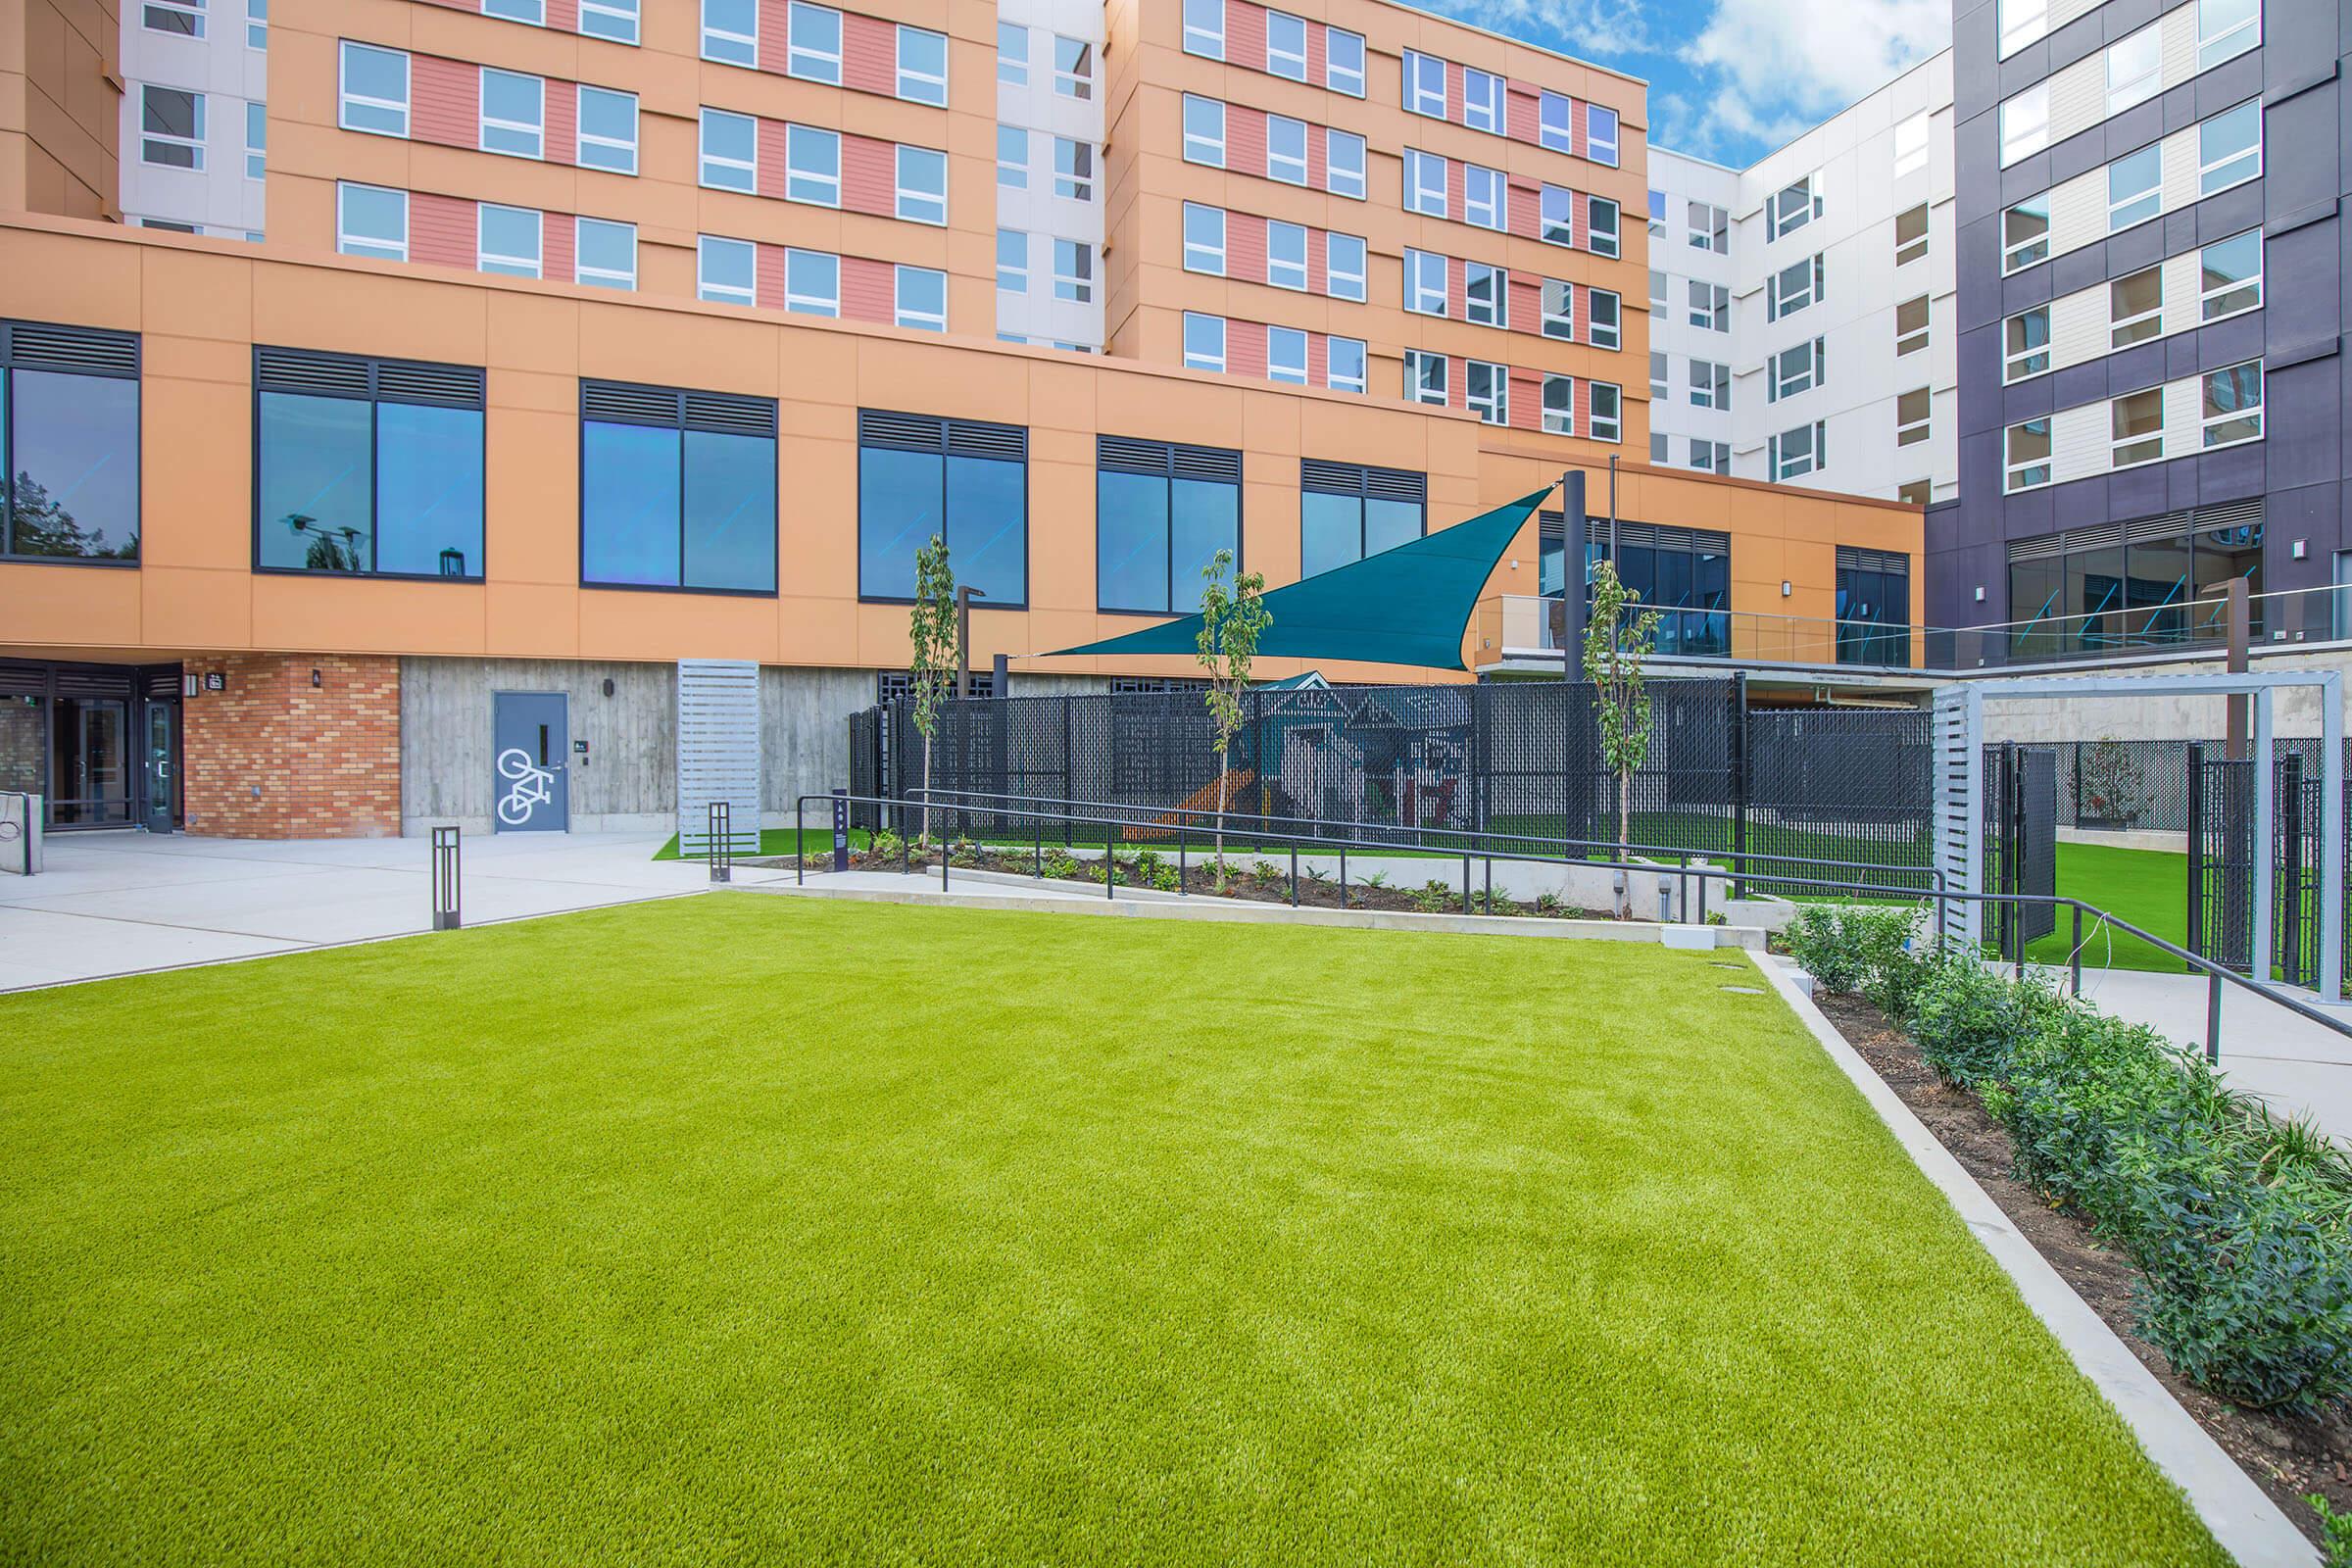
123, 903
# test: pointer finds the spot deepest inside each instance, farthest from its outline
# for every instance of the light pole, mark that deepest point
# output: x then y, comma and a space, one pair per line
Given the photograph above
965, 593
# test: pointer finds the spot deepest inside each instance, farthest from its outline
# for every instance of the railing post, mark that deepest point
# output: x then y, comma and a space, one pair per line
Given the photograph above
1466, 883
2288, 926
2193, 794
2075, 963
1110, 862
445, 880
1739, 783
1184, 872
1294, 873
718, 850
1343, 875
2213, 1016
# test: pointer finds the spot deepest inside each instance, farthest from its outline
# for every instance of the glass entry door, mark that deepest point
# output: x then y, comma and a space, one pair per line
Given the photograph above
90, 762
159, 779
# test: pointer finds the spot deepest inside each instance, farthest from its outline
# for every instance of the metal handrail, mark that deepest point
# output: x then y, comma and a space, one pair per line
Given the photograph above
2216, 975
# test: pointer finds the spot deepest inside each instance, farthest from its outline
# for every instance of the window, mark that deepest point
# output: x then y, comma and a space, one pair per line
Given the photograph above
1552, 110
1073, 270
1013, 51
1347, 512
922, 65
1791, 207
1424, 183
1285, 354
2226, 28
1795, 370
257, 140
1559, 405
615, 19
2138, 428
1710, 457
1710, 385
1161, 514
604, 253
1553, 223
2134, 69
1600, 225
1285, 45
813, 170
1657, 214
1073, 68
677, 489
369, 466
1911, 416
1658, 289
2026, 344
2025, 233
507, 241
69, 443
1915, 492
2022, 22
1911, 235
1343, 61
1344, 163
1600, 134
2230, 274
1911, 327
2134, 189
2232, 405
1793, 288
1204, 29
812, 50
1203, 342
171, 127
920, 299
1343, 266
513, 114
1711, 306
1423, 377
1488, 391
731, 151
2025, 450
731, 32
811, 282
257, 23
1012, 260
2136, 306
922, 196
1486, 201
964, 481
1013, 158
1794, 454
1559, 311
1344, 363
1601, 319
1874, 607
1710, 229
1204, 239
608, 131
1487, 295
1481, 100
1424, 283
533, 12
726, 270
1911, 145
1424, 84
1203, 131
1604, 417
1073, 169
2228, 147
2025, 123
1661, 380
1286, 148
1286, 254
184, 18
370, 220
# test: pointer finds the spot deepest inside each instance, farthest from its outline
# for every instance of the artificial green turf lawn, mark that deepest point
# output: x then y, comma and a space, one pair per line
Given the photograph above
781, 841
2148, 887
738, 1228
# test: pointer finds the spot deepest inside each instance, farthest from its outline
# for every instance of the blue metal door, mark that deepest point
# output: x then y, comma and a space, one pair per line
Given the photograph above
530, 743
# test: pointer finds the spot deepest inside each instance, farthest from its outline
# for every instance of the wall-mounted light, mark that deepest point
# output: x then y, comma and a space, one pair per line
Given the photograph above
1980, 592
314, 680
2302, 547
608, 685
1785, 589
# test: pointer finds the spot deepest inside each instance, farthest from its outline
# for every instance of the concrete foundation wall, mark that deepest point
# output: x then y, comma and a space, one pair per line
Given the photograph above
2159, 716
627, 781
805, 732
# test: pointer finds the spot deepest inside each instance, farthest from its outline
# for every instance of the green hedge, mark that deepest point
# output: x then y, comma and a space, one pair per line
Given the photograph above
2238, 1223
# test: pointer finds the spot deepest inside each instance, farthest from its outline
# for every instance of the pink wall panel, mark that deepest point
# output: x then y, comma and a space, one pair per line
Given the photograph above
1318, 359
870, 176
771, 159
869, 290
1523, 114
563, 140
1457, 288
1453, 92
1245, 247
1458, 179
1527, 304
869, 54
1576, 127
445, 99
1318, 157
1245, 139
1318, 56
1246, 349
564, 16
556, 247
1526, 215
1527, 400
768, 278
775, 35
1245, 34
441, 230
1318, 263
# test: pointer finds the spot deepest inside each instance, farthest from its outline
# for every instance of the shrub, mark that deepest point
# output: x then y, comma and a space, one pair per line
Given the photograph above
1061, 865
1265, 871
1966, 1020
1828, 945
2337, 1530
1549, 903
1434, 898
886, 846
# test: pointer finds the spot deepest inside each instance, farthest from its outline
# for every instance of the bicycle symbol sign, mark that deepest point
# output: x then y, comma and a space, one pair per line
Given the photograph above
531, 788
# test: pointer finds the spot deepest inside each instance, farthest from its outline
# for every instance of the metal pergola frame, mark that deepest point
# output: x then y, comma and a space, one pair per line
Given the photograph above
1960, 786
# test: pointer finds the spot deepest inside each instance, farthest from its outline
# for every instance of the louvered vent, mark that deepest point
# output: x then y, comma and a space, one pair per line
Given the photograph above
2241, 518
1118, 453
1354, 479
449, 386
87, 350
730, 414
300, 371
630, 405
1852, 557
905, 432
968, 438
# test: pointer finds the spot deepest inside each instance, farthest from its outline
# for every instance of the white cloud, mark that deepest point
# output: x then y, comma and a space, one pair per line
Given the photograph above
1596, 28
1776, 69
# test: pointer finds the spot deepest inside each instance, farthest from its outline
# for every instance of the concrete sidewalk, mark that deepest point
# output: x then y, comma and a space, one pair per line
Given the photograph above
120, 903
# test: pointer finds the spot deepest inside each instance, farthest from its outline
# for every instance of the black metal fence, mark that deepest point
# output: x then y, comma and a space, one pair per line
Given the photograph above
2220, 807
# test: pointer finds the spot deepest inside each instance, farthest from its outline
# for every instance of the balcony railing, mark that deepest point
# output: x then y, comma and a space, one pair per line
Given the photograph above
1521, 626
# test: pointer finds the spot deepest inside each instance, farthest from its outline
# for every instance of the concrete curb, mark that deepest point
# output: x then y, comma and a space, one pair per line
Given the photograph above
2249, 1526
1165, 907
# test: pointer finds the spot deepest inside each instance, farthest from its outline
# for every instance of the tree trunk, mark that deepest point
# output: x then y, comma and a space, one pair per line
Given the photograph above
926, 838
1224, 778
1625, 840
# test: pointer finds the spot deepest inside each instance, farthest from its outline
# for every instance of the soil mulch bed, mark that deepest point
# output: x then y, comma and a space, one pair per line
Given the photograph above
2289, 1456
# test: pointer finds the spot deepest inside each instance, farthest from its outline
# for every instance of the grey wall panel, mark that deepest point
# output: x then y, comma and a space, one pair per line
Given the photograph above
445, 712
804, 730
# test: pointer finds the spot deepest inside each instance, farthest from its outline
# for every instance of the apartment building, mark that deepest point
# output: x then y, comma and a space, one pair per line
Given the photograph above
2136, 428
1802, 310
587, 337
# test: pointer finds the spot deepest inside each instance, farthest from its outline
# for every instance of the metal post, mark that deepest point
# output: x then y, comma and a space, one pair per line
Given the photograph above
2213, 1017
2237, 618
2332, 840
1184, 875
718, 852
841, 831
1740, 784
1343, 875
2258, 949
2193, 793
2289, 926
2074, 961
1037, 824
1571, 572
1466, 883
1110, 864
445, 880
945, 856
1294, 873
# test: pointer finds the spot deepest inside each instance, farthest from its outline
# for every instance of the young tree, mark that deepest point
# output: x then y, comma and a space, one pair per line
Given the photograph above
1615, 645
932, 662
1231, 622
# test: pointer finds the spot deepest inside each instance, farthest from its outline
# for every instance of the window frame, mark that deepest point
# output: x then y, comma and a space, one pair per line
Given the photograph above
583, 138
1193, 248
2252, 412
1195, 18
1914, 249
192, 143
705, 161
1348, 80
343, 233
601, 277
2018, 364
1559, 135
2013, 259
1019, 238
2152, 317
1074, 82
814, 178
1280, 53
510, 264
1420, 384
1332, 379
1281, 271
2124, 210
1563, 318
1417, 292
1194, 359
1188, 462
2122, 449
1280, 372
2032, 133
1012, 71
1498, 311
1417, 198
2250, 155
345, 97
1560, 421
534, 131
2144, 83
2017, 474
1333, 140
1074, 285
729, 40
1495, 407
1595, 229
1198, 138
2207, 292
1608, 427
916, 203
628, 11
1916, 339
1910, 433
1595, 141
1493, 111
1356, 275
1075, 185
131, 347
810, 60
799, 300
1280, 164
1415, 88
913, 319
2207, 56
1610, 335
927, 80
684, 424
1498, 188
704, 290
948, 452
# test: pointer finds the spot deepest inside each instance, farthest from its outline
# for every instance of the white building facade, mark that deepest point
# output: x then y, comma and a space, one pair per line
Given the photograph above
1050, 177
194, 128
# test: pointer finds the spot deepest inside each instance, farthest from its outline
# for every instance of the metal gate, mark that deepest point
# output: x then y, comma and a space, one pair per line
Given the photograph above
2021, 840
2220, 864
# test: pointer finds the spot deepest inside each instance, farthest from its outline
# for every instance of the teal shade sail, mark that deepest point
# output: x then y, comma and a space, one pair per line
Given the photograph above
1407, 606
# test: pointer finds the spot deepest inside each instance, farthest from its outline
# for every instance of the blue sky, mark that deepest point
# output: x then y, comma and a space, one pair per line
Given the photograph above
1730, 79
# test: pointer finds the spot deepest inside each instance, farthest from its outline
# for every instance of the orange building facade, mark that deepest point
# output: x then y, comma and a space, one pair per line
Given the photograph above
298, 528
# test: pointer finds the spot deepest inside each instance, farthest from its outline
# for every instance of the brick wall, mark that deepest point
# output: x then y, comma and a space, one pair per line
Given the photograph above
274, 757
